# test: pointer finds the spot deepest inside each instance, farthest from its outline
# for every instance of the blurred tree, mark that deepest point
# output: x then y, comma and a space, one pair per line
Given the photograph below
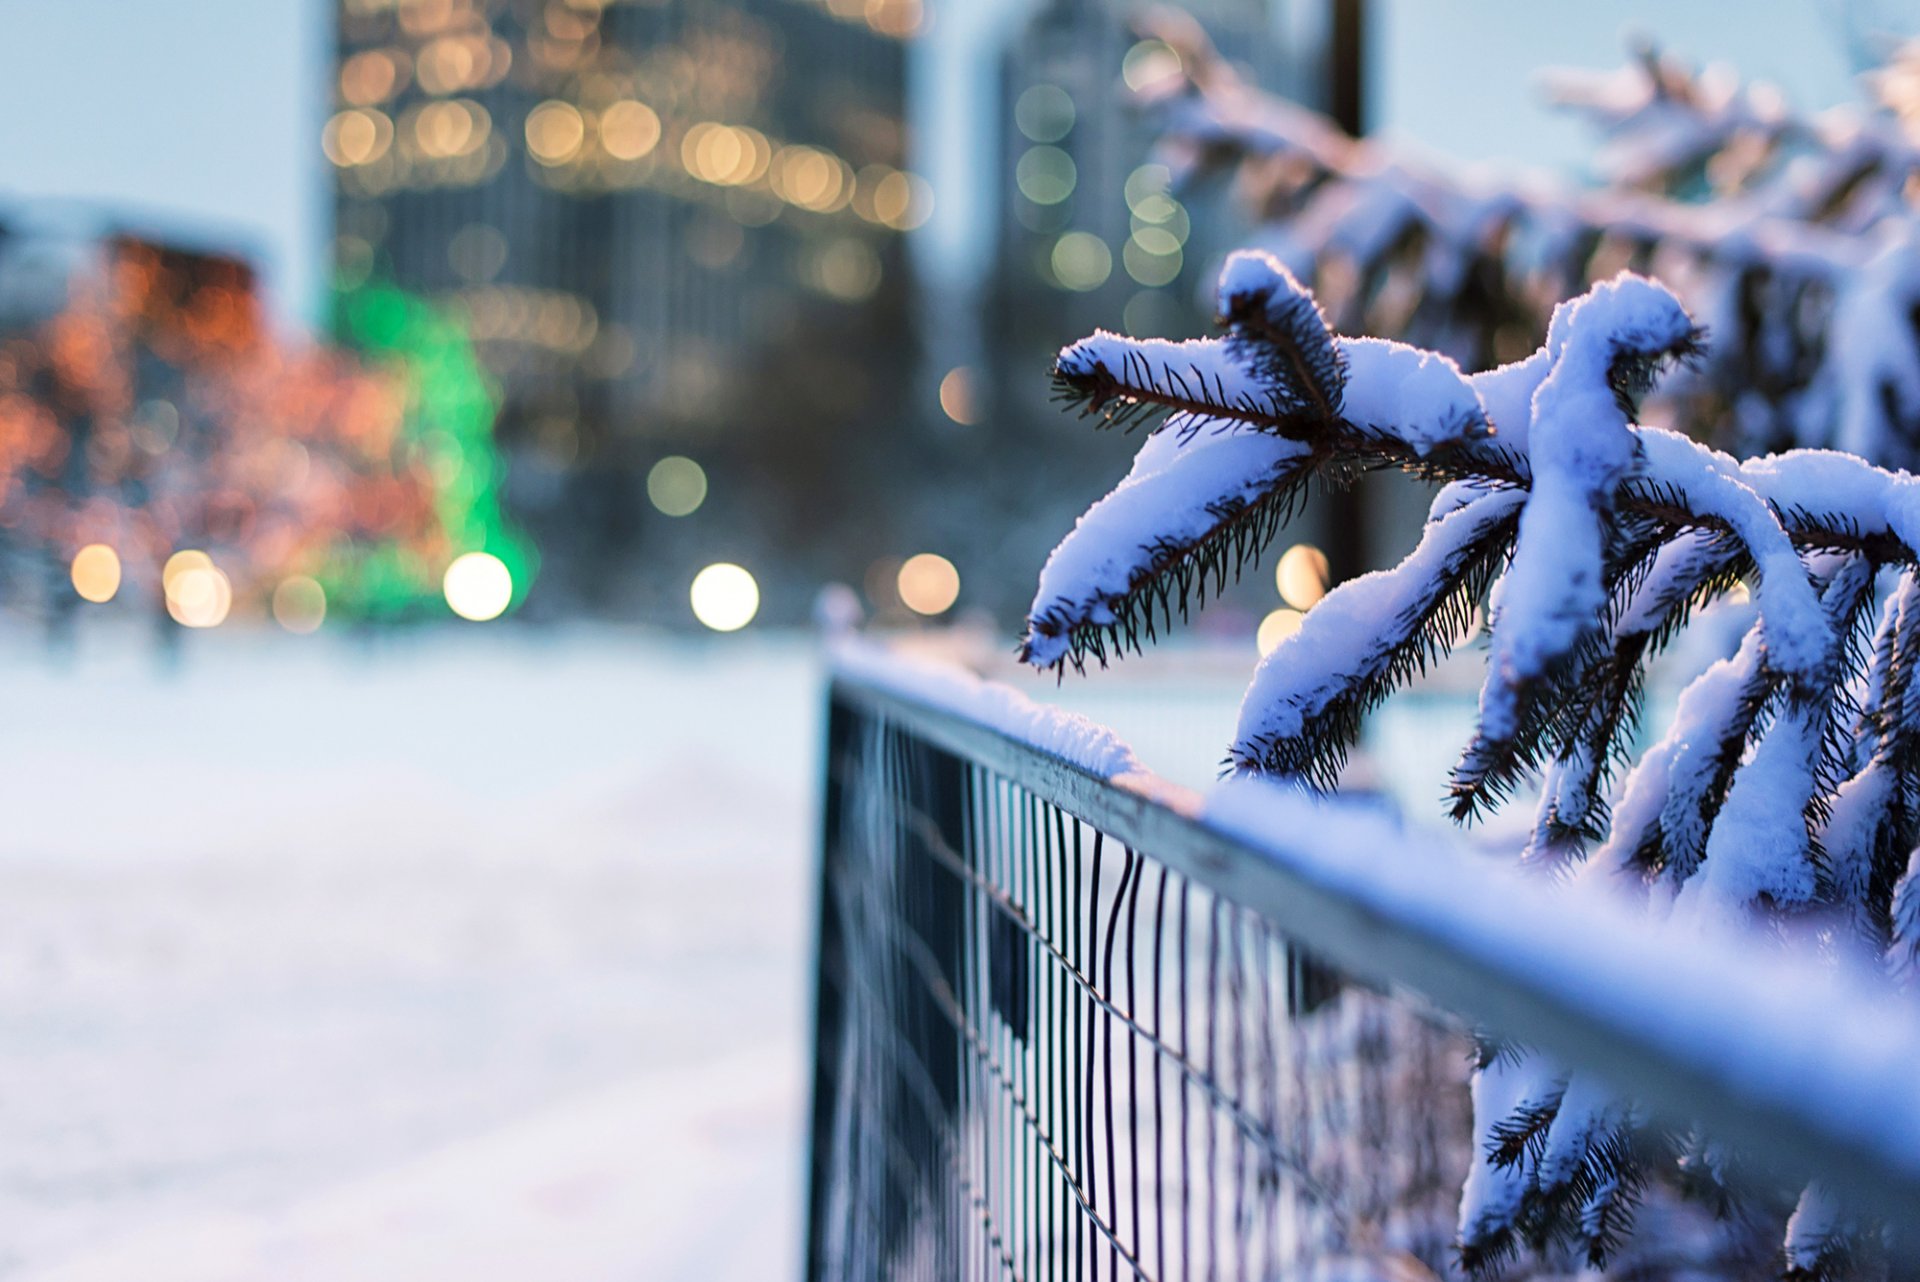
1793, 239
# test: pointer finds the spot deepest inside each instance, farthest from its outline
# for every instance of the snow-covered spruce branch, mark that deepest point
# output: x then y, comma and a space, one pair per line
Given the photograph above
1805, 265
1788, 784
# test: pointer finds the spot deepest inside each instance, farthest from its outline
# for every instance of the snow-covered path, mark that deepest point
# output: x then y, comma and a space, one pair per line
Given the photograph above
478, 956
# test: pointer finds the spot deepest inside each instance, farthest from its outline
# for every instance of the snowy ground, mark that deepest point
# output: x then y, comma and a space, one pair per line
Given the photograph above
479, 957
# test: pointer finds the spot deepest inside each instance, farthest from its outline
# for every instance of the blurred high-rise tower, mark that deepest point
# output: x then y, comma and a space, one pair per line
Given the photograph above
675, 226
1092, 233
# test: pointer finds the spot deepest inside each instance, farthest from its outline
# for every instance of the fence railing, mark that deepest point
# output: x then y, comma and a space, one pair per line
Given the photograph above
1070, 1025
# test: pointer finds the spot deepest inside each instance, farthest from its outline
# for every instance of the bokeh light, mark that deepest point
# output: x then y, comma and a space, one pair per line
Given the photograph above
725, 597
1148, 63
1302, 576
957, 396
478, 586
1277, 627
1044, 113
929, 584
1046, 175
300, 604
96, 572
198, 593
555, 132
179, 563
629, 130
1081, 261
677, 486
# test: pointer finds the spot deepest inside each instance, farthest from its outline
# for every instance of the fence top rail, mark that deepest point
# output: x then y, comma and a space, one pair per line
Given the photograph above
1805, 1068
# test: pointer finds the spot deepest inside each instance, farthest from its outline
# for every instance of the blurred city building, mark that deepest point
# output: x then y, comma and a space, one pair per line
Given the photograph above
1094, 232
676, 230
161, 448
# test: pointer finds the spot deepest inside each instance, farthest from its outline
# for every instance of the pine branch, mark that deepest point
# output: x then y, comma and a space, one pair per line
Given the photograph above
1173, 579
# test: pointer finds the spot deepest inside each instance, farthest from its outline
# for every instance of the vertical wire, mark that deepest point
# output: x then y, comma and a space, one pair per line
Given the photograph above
1186, 1053
1159, 1113
1003, 1119
1236, 991
1213, 1075
973, 1118
1106, 1067
1091, 1047
1037, 1200
1133, 1045
1020, 1216
1061, 1034
1270, 1174
1081, 1229
1046, 1024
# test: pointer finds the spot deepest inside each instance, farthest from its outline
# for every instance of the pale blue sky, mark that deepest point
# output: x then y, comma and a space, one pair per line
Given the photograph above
207, 112
202, 113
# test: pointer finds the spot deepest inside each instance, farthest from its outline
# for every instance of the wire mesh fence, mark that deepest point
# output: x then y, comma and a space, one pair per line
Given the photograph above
1046, 1054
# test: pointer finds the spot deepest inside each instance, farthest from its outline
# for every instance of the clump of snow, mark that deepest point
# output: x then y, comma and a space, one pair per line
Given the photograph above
1350, 633
1199, 371
1691, 762
1186, 480
1799, 639
1758, 850
1417, 396
1581, 447
1491, 1196
1506, 394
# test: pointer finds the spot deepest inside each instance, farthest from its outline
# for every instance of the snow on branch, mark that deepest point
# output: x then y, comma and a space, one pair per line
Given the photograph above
1794, 239
1787, 786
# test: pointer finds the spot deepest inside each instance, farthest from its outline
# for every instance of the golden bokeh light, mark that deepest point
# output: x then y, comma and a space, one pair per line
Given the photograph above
725, 155
811, 179
300, 604
180, 562
96, 573
369, 78
1302, 576
957, 396
629, 130
555, 132
452, 128
901, 19
198, 593
478, 586
677, 486
357, 138
1277, 627
929, 584
724, 597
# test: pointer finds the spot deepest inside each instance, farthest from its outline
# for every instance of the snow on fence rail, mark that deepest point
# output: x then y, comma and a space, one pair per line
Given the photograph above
1074, 1021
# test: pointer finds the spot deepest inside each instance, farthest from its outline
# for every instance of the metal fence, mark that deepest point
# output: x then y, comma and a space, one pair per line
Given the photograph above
1065, 1031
